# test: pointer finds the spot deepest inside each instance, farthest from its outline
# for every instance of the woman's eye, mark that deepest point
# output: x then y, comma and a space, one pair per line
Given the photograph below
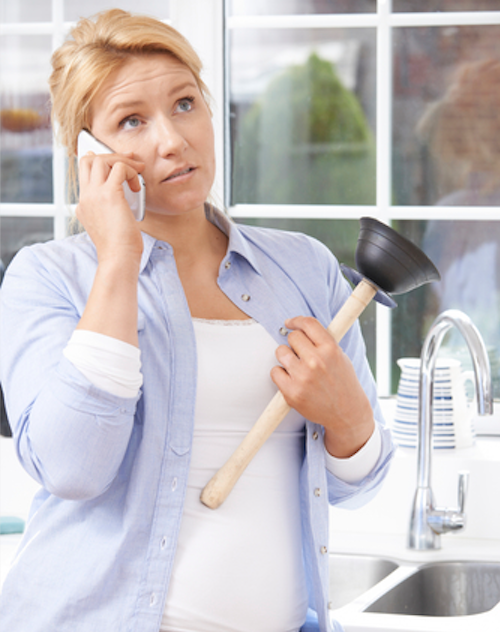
131, 123
185, 105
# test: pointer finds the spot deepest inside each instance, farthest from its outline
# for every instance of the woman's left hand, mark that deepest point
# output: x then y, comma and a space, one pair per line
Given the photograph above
318, 380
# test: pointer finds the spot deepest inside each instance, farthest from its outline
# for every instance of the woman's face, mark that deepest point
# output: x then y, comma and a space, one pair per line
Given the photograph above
152, 106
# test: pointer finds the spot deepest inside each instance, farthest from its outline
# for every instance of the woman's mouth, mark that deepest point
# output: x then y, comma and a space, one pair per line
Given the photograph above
179, 174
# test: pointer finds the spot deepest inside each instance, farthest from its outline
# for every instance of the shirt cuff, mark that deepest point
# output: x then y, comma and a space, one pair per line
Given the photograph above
360, 464
110, 364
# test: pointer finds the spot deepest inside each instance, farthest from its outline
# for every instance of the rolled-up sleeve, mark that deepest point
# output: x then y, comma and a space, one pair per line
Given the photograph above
355, 495
70, 436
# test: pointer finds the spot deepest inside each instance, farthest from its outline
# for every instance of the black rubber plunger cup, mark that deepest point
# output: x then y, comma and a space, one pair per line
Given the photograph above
387, 264
390, 261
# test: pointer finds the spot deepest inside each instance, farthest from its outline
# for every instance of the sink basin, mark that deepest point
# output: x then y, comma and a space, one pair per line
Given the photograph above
352, 575
444, 589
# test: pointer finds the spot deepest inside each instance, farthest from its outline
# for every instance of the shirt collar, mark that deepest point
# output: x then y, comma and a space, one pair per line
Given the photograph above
237, 243
148, 244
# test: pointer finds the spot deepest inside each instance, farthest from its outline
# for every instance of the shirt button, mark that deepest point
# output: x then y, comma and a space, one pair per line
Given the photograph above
315, 435
174, 484
283, 331
317, 492
245, 297
227, 265
163, 543
152, 599
323, 550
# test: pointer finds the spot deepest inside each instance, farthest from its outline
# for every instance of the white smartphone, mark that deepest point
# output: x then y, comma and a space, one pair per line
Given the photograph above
136, 200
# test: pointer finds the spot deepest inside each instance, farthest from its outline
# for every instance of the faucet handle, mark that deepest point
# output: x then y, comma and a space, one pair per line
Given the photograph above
463, 486
442, 520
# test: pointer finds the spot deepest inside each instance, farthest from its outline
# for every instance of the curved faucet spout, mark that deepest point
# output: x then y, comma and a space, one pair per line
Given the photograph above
428, 522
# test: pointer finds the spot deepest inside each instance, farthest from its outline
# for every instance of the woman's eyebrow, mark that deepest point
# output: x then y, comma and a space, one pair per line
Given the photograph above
125, 105
186, 84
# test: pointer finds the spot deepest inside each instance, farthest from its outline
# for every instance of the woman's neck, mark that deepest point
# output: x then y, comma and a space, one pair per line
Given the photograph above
192, 236
199, 247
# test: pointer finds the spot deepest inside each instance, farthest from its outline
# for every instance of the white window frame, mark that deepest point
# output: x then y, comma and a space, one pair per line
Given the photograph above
205, 25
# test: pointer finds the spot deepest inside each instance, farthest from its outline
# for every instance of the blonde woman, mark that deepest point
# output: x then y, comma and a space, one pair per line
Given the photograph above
135, 357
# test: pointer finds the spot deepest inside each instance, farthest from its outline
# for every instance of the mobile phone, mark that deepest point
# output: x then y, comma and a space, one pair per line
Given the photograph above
136, 200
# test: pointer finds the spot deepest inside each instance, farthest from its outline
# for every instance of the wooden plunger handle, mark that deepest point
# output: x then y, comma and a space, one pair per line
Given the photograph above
220, 485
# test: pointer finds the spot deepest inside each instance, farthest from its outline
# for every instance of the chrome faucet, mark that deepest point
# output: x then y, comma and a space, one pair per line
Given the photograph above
428, 522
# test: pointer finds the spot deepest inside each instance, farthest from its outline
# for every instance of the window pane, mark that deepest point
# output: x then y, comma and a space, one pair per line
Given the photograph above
467, 255
290, 7
26, 11
303, 116
446, 135
341, 237
17, 232
444, 5
25, 131
75, 9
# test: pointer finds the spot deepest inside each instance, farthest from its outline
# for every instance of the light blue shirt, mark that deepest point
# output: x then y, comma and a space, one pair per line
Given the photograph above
100, 542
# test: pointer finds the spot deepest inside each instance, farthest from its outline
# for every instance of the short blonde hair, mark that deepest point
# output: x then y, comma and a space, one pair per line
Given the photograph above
96, 48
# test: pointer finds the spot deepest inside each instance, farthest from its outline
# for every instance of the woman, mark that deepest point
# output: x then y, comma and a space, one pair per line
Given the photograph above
117, 538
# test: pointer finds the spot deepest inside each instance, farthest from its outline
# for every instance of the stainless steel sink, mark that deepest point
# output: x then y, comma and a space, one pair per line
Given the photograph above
444, 589
352, 575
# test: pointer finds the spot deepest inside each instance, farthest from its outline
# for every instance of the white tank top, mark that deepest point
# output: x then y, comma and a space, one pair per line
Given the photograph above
239, 568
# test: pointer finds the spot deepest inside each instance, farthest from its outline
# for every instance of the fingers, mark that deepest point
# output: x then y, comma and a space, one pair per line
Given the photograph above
103, 209
97, 169
306, 361
309, 364
311, 327
121, 172
311, 342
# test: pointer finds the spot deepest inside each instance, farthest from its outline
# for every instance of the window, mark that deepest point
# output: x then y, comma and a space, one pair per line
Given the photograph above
325, 111
344, 109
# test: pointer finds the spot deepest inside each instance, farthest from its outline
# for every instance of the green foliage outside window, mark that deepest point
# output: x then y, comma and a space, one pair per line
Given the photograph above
305, 141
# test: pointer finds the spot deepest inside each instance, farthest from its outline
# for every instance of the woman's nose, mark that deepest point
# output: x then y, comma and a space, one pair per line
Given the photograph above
169, 138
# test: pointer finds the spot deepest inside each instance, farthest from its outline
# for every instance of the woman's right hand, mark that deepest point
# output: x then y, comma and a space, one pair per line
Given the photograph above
112, 307
103, 210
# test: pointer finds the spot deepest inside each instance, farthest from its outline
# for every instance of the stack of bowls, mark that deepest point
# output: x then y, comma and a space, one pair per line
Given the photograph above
451, 412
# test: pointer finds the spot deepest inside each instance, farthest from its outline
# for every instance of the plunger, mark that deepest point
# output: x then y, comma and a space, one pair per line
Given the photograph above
387, 264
